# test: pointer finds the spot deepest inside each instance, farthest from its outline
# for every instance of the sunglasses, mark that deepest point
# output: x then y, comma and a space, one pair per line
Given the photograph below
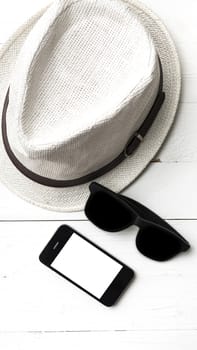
114, 212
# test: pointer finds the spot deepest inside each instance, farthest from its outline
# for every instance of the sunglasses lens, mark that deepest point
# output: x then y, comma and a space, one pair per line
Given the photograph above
157, 244
108, 213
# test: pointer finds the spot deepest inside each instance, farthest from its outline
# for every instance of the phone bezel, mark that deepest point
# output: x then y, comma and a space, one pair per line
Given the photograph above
61, 236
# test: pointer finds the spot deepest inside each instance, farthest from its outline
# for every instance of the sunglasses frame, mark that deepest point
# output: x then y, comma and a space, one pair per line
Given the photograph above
144, 217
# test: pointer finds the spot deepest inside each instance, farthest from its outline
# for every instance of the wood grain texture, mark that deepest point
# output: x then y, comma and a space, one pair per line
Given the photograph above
180, 147
152, 340
168, 188
33, 298
39, 310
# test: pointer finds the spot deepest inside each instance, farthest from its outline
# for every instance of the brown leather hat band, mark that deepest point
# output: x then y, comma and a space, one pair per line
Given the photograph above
131, 146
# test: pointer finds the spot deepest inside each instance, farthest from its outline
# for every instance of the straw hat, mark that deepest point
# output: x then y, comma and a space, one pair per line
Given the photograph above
88, 90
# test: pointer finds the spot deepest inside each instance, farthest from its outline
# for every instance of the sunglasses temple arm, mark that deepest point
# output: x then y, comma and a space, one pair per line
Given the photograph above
185, 245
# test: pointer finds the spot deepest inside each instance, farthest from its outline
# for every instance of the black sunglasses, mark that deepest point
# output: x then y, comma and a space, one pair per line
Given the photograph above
114, 212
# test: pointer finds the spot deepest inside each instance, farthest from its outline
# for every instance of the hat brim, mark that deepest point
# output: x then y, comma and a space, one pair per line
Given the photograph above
74, 198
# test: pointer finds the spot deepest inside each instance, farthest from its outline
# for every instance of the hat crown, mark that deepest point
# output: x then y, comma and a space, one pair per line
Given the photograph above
84, 81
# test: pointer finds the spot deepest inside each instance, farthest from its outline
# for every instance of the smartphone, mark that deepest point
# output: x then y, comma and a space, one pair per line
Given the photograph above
85, 265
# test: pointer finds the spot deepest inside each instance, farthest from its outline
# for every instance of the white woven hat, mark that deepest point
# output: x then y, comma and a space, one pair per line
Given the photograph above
81, 97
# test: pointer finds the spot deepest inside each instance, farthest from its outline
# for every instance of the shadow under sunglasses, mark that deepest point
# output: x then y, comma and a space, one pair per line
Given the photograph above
113, 212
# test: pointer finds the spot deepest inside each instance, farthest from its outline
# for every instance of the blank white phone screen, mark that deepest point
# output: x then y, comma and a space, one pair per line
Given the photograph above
86, 265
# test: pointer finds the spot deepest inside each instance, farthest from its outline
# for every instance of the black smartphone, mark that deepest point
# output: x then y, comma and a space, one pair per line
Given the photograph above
87, 266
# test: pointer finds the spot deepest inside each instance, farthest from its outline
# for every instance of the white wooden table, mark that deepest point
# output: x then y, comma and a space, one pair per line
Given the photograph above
38, 310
